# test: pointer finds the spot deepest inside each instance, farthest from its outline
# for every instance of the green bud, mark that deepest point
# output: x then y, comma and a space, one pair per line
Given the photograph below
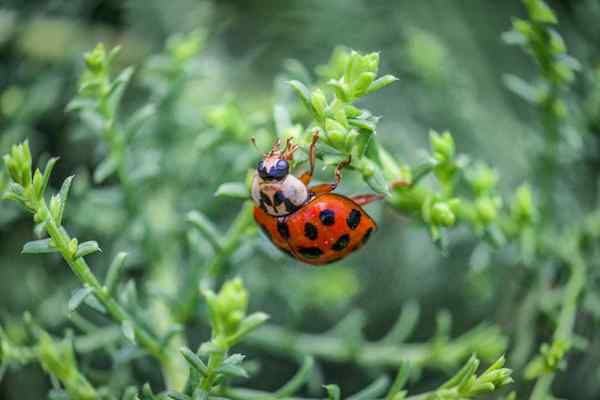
370, 63
184, 47
482, 178
319, 102
232, 303
523, 207
95, 60
442, 146
487, 209
38, 183
441, 214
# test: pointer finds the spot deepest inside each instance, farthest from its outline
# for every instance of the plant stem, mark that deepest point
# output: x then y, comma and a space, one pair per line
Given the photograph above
284, 342
213, 269
566, 320
80, 268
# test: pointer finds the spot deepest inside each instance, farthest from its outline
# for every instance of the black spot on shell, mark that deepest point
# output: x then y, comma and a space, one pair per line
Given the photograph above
353, 219
341, 243
289, 206
310, 231
283, 229
327, 217
278, 198
366, 236
310, 252
264, 198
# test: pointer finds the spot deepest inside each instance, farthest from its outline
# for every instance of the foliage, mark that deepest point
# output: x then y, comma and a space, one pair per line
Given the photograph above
182, 273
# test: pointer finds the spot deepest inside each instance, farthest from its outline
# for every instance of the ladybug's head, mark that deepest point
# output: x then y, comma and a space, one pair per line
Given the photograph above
275, 165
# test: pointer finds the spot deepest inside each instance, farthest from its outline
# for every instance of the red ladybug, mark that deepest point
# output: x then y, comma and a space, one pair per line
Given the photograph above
312, 224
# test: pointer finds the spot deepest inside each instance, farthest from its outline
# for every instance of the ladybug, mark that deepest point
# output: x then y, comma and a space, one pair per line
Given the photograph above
311, 224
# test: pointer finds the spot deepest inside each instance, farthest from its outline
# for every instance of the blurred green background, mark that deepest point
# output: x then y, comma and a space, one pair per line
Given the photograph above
450, 61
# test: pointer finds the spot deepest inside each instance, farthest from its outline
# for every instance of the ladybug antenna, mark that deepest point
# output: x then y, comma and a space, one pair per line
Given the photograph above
253, 141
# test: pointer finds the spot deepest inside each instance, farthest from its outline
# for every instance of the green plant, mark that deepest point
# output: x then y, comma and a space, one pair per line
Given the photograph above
180, 300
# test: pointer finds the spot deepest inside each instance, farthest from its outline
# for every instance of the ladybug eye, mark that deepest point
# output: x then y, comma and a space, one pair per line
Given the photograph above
282, 165
260, 165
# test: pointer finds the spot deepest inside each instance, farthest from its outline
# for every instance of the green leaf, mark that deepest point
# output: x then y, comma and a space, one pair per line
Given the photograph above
105, 169
299, 379
194, 361
47, 172
341, 89
114, 272
376, 180
38, 247
399, 382
139, 118
64, 194
87, 248
405, 324
236, 190
206, 227
78, 298
178, 396
380, 83
302, 92
234, 359
333, 392
373, 391
540, 12
234, 371
252, 322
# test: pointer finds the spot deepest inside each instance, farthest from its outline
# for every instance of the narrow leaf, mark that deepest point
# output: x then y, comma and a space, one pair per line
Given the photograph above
114, 271
234, 370
87, 248
333, 392
297, 380
64, 194
235, 190
105, 169
405, 324
206, 227
78, 298
373, 391
234, 359
38, 247
380, 83
302, 92
194, 361
47, 172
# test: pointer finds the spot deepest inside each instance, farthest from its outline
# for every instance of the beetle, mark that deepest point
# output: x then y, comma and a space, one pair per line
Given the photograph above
310, 224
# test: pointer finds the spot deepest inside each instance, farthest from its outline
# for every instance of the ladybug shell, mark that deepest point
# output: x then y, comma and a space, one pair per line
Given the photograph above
324, 230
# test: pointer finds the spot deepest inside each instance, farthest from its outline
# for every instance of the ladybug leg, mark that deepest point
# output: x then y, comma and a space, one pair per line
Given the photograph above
312, 157
330, 187
363, 199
